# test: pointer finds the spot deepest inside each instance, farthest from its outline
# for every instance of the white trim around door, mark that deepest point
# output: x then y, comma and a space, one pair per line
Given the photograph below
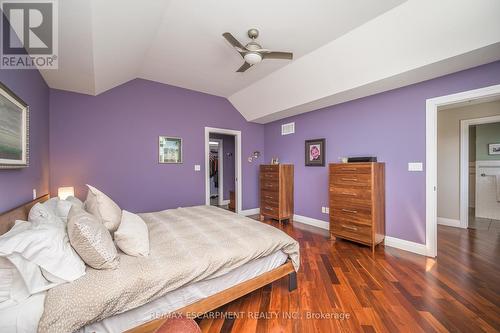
432, 107
464, 164
237, 154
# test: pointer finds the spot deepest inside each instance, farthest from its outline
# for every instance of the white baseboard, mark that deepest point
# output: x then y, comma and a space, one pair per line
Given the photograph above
224, 202
448, 222
405, 245
314, 222
247, 212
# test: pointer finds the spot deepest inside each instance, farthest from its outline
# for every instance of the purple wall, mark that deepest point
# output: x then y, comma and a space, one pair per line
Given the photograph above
111, 141
228, 162
391, 126
16, 185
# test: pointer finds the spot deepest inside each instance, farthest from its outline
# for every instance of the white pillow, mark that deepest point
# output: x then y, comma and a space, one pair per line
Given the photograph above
43, 247
75, 201
132, 236
12, 287
45, 213
102, 207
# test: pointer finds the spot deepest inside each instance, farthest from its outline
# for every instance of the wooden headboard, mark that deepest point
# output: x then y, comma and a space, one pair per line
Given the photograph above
7, 219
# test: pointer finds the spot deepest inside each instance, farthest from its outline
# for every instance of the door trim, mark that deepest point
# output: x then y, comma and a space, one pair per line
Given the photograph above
237, 153
432, 106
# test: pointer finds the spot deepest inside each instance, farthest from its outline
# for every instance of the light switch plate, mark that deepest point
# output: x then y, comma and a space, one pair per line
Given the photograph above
327, 210
34, 193
415, 166
197, 167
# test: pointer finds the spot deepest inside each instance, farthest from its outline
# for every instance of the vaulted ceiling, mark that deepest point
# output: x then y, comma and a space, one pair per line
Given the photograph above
342, 49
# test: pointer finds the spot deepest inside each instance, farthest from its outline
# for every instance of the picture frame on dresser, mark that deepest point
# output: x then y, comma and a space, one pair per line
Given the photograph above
14, 130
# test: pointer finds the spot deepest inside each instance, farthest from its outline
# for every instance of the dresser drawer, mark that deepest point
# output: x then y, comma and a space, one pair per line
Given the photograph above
269, 168
350, 196
351, 180
351, 214
270, 176
270, 197
351, 168
269, 210
360, 233
269, 185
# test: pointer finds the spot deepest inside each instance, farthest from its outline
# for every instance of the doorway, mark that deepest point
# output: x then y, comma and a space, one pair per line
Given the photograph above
223, 168
434, 105
481, 181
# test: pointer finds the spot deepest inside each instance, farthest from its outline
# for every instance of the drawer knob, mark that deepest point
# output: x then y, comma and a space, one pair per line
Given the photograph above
349, 169
268, 208
349, 193
349, 211
268, 197
350, 179
349, 227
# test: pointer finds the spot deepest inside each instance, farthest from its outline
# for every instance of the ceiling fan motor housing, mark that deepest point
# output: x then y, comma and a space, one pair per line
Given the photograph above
253, 33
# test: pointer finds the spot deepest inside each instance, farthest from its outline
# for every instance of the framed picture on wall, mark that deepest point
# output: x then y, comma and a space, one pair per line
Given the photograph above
170, 150
315, 153
494, 149
14, 130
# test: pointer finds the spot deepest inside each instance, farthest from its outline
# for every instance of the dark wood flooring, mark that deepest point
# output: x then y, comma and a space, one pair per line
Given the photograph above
342, 288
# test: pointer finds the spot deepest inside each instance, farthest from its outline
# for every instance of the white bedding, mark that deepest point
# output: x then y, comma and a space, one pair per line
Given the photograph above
24, 317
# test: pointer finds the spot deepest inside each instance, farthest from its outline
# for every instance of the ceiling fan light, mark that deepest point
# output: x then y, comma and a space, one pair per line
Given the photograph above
253, 58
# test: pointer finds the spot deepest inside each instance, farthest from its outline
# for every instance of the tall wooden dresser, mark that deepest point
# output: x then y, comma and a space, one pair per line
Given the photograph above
276, 191
357, 202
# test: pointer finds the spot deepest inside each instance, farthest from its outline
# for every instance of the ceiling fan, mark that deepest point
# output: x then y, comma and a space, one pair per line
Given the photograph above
253, 53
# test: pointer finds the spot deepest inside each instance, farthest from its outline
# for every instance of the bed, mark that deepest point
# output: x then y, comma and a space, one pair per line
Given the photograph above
204, 291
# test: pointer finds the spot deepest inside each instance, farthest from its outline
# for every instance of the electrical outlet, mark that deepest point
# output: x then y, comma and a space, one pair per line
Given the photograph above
323, 209
34, 193
327, 210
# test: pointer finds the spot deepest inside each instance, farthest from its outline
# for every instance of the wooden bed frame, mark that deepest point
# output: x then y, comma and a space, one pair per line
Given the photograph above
204, 305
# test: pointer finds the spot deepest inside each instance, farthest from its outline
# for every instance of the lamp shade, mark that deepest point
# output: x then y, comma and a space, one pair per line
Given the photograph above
64, 192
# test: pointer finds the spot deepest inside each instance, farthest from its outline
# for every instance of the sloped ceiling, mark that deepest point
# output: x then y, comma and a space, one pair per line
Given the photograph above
342, 49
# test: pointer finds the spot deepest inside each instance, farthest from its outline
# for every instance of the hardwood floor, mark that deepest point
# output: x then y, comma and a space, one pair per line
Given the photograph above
394, 291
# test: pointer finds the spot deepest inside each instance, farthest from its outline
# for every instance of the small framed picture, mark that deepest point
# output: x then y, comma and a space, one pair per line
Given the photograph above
170, 150
315, 153
494, 149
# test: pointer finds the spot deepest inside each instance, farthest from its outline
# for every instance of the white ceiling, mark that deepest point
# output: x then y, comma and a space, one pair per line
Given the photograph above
106, 43
342, 49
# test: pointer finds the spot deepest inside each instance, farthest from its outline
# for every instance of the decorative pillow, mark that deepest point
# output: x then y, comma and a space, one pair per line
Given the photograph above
132, 236
91, 240
38, 248
105, 209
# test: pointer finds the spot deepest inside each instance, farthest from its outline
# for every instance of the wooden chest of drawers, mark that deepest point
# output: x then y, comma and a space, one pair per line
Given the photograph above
276, 191
357, 202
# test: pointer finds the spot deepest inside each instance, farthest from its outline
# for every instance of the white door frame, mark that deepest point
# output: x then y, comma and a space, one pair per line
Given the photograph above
220, 171
464, 164
432, 107
237, 153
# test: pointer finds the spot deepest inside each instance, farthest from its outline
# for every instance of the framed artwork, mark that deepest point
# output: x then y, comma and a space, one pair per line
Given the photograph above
494, 149
14, 130
315, 152
170, 150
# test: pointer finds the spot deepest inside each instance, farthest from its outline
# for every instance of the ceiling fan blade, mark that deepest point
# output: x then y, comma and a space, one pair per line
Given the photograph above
234, 42
244, 67
278, 55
